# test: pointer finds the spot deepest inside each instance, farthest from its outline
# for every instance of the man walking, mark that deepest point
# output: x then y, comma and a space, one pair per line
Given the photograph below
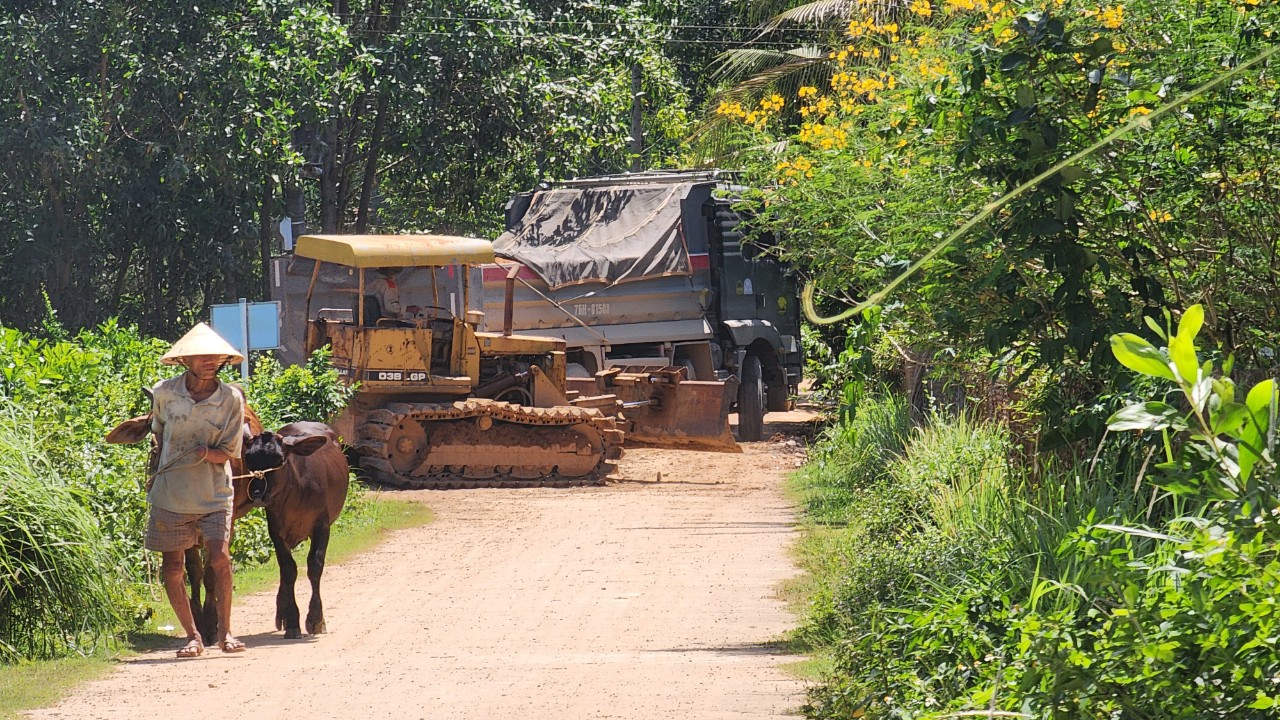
198, 421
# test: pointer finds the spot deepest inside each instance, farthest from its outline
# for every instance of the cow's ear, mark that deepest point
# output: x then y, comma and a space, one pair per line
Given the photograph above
130, 431
304, 444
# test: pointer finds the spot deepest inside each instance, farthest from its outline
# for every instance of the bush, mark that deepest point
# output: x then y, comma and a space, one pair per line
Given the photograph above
281, 395
59, 579
1108, 588
75, 504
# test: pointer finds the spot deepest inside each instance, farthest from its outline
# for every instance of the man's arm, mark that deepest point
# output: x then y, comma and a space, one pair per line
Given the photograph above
231, 440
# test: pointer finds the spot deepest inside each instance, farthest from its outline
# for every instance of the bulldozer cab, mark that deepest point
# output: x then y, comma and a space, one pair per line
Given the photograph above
434, 351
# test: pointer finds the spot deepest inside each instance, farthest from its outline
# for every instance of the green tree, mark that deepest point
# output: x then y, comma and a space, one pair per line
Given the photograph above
147, 148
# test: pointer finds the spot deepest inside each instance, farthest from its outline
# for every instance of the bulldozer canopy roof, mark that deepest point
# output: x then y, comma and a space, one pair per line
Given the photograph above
371, 251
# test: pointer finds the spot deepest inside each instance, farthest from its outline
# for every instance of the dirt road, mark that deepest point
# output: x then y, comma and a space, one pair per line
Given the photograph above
640, 599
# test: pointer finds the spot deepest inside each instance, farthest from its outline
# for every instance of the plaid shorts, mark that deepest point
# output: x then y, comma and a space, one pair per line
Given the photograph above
169, 531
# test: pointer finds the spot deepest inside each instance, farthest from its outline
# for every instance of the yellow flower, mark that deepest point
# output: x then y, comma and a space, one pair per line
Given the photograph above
1140, 110
921, 8
1112, 17
806, 91
731, 109
967, 5
1159, 215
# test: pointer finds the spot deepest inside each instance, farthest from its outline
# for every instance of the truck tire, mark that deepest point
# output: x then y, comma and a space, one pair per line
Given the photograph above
751, 400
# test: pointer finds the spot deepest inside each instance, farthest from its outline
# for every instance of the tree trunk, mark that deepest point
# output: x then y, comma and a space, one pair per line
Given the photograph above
265, 235
379, 129
371, 162
329, 172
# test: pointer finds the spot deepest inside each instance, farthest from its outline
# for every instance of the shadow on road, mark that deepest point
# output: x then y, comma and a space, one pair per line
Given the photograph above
750, 649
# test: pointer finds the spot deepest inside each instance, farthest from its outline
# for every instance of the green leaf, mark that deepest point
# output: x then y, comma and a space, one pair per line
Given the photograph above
1138, 532
1229, 418
1072, 173
1191, 322
1248, 447
1140, 356
1155, 327
1013, 61
1263, 703
1260, 396
1182, 351
1144, 416
1045, 227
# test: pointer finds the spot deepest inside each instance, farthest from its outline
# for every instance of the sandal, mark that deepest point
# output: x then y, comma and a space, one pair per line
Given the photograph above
232, 645
193, 649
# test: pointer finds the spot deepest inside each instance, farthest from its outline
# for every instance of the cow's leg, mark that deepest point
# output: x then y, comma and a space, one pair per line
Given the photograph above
315, 567
194, 564
208, 618
286, 604
199, 576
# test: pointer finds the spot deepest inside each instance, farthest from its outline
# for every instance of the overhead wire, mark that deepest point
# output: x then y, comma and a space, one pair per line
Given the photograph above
760, 33
596, 38
586, 23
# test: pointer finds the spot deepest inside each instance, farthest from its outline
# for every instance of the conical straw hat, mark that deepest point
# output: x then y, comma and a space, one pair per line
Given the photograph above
201, 340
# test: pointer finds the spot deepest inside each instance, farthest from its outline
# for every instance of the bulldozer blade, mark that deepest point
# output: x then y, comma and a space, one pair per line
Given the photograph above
665, 411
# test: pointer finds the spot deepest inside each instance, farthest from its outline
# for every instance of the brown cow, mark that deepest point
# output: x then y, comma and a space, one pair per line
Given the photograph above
299, 474
199, 574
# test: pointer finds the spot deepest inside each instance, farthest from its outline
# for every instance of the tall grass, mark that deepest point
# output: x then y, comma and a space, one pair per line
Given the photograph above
852, 455
58, 578
949, 540
1043, 516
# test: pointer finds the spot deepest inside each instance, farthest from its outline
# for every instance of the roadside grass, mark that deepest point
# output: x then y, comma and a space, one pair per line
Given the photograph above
819, 553
30, 685
819, 560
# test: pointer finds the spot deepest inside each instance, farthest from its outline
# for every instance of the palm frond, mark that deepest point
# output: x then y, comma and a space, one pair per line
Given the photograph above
745, 62
788, 76
714, 143
816, 12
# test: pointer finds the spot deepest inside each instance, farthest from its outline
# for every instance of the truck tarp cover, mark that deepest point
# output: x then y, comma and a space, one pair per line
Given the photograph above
571, 236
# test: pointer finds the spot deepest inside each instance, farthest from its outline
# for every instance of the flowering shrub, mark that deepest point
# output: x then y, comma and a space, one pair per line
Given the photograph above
1103, 590
930, 110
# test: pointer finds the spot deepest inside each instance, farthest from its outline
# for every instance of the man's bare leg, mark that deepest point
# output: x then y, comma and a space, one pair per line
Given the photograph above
173, 574
220, 563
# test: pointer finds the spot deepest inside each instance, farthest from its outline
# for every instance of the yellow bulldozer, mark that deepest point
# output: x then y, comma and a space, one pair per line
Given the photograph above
443, 403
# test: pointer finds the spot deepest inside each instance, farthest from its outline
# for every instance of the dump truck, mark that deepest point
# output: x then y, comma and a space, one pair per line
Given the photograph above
649, 270
440, 402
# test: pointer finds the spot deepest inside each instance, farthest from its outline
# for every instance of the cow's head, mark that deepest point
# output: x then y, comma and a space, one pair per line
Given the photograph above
267, 452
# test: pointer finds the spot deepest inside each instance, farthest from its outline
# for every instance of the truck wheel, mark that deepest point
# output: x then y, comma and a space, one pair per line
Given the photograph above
751, 400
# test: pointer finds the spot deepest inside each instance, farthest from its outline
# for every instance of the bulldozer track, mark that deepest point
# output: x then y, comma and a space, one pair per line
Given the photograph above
485, 443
